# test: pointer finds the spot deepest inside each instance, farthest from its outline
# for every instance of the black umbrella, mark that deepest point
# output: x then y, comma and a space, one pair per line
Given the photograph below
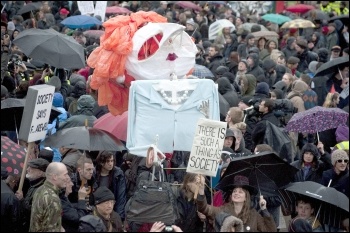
29, 7
84, 138
265, 171
332, 205
224, 107
332, 66
12, 111
343, 18
51, 47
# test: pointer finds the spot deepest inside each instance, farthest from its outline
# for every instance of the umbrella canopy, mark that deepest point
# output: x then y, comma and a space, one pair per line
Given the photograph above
84, 138
343, 18
215, 28
51, 47
263, 171
334, 204
13, 110
117, 10
116, 125
317, 119
188, 4
298, 23
29, 7
248, 26
332, 66
276, 18
93, 33
202, 71
266, 34
300, 8
80, 21
12, 156
316, 14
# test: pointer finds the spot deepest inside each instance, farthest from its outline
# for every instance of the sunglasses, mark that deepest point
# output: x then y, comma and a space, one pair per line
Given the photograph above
342, 160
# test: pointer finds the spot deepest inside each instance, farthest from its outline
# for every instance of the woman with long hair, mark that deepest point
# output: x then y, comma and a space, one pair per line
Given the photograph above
238, 204
332, 100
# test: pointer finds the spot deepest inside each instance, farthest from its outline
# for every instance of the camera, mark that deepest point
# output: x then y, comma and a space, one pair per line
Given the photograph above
284, 110
168, 229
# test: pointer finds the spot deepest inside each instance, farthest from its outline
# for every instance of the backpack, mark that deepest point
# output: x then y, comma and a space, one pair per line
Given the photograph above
153, 201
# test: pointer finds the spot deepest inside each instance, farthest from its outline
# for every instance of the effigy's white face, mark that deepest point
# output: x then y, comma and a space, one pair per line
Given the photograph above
161, 51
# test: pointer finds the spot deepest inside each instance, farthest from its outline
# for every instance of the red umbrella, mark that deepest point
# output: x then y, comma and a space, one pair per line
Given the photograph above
117, 10
116, 125
300, 8
93, 33
12, 156
186, 4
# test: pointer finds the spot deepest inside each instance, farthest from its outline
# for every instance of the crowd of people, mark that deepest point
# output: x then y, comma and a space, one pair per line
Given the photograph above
71, 190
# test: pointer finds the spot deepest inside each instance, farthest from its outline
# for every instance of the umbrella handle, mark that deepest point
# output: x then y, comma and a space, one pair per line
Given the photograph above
319, 209
24, 171
318, 137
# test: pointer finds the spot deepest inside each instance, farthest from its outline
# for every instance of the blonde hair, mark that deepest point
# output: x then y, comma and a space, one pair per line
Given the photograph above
331, 100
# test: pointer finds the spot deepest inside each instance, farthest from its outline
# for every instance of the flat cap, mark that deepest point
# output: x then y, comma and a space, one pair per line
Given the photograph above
293, 60
302, 43
336, 48
39, 163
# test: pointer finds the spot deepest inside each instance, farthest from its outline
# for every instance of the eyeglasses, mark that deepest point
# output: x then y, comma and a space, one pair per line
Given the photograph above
342, 160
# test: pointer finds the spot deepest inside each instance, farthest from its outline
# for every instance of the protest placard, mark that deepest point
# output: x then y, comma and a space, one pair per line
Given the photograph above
100, 9
207, 146
86, 7
36, 113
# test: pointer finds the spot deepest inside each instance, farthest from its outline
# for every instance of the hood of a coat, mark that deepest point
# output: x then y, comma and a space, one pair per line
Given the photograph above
224, 85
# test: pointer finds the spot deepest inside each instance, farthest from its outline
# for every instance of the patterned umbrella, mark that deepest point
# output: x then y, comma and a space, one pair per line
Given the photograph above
317, 119
12, 156
298, 23
202, 71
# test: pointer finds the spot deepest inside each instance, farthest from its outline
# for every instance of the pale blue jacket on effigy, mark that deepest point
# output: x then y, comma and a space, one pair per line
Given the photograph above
151, 113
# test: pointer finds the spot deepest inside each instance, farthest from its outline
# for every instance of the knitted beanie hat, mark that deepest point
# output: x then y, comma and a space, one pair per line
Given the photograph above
339, 154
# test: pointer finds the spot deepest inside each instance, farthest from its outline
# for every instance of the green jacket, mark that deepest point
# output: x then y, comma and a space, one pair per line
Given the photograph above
46, 209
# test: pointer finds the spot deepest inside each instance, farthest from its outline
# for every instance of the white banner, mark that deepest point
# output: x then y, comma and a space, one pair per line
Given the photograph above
207, 146
86, 7
100, 9
36, 113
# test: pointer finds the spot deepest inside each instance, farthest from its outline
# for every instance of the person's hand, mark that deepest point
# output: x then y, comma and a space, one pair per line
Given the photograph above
19, 195
82, 193
262, 203
201, 216
176, 228
22, 67
320, 147
197, 185
157, 227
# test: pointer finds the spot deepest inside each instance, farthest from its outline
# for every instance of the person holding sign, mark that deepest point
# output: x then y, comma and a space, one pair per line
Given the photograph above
238, 204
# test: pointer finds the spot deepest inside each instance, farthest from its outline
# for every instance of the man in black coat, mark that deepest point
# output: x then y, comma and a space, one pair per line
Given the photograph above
305, 56
266, 108
214, 59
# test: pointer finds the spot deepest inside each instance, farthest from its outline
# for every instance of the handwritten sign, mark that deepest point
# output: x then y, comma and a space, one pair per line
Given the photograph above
36, 113
207, 146
86, 7
100, 9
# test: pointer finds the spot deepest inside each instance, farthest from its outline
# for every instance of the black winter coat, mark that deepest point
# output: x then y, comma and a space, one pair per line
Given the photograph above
339, 182
258, 133
9, 209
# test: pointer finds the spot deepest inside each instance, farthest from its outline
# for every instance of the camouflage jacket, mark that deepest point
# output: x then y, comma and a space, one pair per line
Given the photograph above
46, 209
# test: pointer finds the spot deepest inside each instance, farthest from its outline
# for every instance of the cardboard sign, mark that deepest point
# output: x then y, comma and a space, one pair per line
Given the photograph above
207, 146
100, 9
36, 113
86, 7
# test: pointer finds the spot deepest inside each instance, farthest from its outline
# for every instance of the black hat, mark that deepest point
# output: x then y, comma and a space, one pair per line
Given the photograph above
221, 70
293, 60
269, 64
302, 43
103, 194
39, 163
336, 48
243, 182
299, 225
46, 154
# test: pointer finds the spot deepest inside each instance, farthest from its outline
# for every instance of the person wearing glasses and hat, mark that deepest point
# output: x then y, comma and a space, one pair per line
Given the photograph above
339, 174
238, 204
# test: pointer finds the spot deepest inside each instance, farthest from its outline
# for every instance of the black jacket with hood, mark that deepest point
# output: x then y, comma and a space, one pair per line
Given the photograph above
226, 90
288, 52
256, 70
320, 164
